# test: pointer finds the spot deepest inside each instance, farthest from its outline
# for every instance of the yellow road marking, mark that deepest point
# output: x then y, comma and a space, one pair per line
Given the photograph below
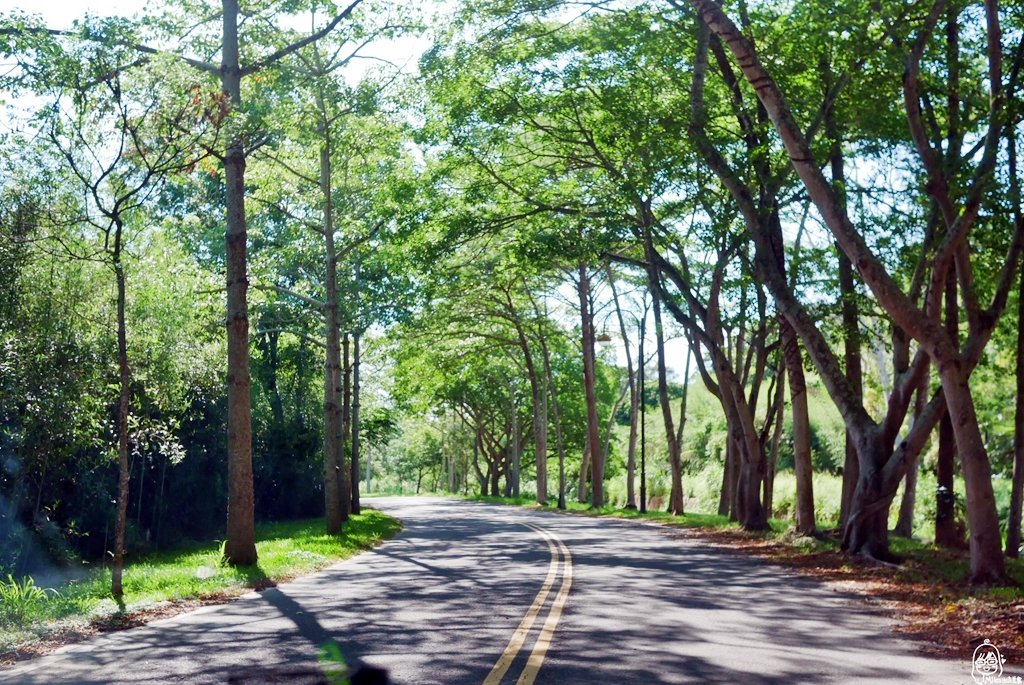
540, 649
519, 637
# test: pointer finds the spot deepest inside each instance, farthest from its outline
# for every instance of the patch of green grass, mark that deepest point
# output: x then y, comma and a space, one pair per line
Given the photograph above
517, 501
286, 550
778, 528
687, 520
21, 599
946, 567
922, 561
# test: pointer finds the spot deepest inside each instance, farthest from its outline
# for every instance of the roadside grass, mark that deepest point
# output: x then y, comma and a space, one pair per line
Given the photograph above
688, 520
922, 561
286, 550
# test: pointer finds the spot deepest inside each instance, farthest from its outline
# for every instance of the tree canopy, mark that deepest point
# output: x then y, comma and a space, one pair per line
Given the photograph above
690, 245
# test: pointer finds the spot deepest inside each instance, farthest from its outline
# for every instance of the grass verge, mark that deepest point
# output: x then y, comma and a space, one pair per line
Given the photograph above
35, 621
690, 520
927, 593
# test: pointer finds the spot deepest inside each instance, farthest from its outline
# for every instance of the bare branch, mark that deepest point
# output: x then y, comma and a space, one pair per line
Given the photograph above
298, 45
291, 293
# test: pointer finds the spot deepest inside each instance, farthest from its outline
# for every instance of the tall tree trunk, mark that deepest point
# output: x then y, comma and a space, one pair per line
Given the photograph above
356, 360
746, 466
735, 474
1013, 536
1013, 533
607, 443
345, 426
854, 374
276, 404
643, 411
538, 396
805, 520
514, 447
681, 429
867, 530
506, 468
559, 445
749, 457
773, 454
240, 545
581, 488
589, 385
750, 513
675, 462
905, 522
494, 470
332, 366
682, 403
300, 384
158, 506
945, 522
142, 484
369, 467
123, 469
481, 479
675, 505
725, 497
794, 360
987, 566
634, 398
850, 314
541, 443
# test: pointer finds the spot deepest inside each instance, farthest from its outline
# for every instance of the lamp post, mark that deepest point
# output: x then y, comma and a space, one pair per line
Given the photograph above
604, 341
643, 416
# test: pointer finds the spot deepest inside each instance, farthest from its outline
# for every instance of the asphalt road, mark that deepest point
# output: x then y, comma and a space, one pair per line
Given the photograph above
449, 601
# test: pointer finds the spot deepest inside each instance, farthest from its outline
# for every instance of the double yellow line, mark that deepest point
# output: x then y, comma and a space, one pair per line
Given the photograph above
540, 648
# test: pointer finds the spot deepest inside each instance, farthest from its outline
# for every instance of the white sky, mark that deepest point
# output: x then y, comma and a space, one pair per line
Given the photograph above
60, 13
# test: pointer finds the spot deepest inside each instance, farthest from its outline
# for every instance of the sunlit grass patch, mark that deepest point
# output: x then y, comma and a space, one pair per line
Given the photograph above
688, 519
286, 550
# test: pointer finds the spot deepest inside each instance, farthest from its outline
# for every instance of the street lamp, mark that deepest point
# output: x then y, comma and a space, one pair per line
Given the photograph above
643, 417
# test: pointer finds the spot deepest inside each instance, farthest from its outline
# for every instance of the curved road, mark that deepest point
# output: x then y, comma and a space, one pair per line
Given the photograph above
464, 596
